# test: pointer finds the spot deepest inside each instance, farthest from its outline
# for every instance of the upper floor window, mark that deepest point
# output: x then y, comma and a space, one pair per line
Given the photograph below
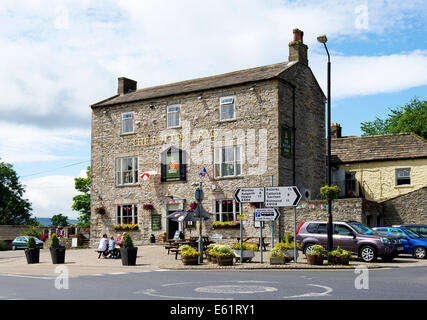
226, 108
127, 122
227, 162
126, 170
403, 176
173, 116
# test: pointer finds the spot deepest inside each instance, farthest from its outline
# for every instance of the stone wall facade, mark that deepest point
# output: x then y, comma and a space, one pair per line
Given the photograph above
259, 114
408, 208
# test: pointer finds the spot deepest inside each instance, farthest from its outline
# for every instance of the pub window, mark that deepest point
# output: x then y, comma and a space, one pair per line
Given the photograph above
126, 171
127, 122
227, 162
173, 166
403, 176
226, 210
226, 108
173, 116
350, 183
127, 214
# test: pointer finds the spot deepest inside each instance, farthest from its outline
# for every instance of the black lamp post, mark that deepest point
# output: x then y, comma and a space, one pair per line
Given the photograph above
323, 39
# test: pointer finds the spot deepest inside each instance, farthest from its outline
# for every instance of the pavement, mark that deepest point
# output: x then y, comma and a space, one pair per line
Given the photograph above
81, 262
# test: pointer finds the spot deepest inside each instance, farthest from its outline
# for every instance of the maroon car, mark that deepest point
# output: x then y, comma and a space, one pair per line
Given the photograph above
352, 236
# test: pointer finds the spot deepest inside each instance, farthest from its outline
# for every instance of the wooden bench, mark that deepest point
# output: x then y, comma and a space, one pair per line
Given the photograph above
171, 246
177, 251
100, 252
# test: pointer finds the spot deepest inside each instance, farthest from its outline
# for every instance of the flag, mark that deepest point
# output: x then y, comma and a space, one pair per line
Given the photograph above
204, 172
147, 174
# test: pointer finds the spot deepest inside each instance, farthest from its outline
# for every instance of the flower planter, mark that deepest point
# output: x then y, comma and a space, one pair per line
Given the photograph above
214, 259
190, 261
128, 256
247, 254
339, 260
208, 257
225, 260
289, 255
277, 260
57, 255
33, 256
315, 260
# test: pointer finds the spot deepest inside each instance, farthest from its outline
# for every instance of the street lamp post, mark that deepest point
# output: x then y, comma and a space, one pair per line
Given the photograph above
323, 39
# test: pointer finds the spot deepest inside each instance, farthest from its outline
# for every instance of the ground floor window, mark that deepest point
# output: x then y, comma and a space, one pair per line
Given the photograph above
226, 210
127, 214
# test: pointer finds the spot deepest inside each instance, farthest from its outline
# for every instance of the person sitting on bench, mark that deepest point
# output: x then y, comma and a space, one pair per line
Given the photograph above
112, 250
103, 245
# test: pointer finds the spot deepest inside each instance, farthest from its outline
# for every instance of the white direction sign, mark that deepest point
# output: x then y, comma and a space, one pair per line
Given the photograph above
266, 214
282, 196
249, 194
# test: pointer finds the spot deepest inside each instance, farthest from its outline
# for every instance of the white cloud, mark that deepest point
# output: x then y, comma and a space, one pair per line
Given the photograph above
51, 195
23, 143
364, 75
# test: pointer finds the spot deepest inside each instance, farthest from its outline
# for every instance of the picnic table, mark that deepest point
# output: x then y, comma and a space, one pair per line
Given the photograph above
259, 241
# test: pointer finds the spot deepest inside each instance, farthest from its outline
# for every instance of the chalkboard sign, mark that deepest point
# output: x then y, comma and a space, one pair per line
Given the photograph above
176, 236
156, 222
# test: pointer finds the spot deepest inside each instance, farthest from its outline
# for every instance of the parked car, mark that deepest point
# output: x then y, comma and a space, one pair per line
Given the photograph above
413, 242
352, 236
418, 228
22, 242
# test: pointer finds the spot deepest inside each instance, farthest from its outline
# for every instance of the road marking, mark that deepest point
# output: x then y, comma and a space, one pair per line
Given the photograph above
153, 292
29, 277
235, 289
327, 291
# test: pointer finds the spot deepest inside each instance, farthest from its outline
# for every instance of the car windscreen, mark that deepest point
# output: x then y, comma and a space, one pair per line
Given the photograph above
413, 234
361, 228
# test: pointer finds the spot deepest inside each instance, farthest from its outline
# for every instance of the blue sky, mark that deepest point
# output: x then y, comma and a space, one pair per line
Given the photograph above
60, 58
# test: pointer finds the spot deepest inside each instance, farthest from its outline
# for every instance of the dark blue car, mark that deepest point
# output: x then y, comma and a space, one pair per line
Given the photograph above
413, 242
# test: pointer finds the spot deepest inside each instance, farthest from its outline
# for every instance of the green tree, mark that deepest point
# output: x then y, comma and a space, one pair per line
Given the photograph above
14, 209
412, 117
82, 201
59, 220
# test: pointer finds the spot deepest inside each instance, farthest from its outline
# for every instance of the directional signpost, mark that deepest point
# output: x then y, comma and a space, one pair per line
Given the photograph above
271, 197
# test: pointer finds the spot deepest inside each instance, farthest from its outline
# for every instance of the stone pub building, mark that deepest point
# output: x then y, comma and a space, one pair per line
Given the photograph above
255, 127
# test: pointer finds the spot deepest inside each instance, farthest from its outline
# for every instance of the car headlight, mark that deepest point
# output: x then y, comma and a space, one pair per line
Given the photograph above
386, 240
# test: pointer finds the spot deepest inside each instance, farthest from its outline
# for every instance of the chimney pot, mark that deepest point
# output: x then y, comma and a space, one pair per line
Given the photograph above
298, 35
297, 49
336, 131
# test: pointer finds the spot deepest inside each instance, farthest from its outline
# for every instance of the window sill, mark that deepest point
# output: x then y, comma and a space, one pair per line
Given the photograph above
128, 185
230, 177
176, 127
403, 186
228, 120
127, 134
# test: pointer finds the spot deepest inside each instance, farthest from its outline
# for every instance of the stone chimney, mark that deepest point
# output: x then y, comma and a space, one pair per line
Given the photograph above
335, 131
297, 49
126, 85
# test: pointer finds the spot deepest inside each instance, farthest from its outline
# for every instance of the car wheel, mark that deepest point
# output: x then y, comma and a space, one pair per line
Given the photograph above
308, 248
420, 252
367, 253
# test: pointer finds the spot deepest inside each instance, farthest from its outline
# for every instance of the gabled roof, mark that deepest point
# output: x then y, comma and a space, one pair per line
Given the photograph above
199, 84
378, 148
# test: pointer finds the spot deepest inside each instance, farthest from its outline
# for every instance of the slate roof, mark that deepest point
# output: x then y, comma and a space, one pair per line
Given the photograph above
223, 80
378, 148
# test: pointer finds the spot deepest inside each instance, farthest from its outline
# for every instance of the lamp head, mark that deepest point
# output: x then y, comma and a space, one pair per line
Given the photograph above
322, 38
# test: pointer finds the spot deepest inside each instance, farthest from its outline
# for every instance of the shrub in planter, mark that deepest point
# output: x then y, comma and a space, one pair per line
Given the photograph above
57, 252
189, 255
248, 250
226, 225
32, 253
277, 256
317, 256
128, 252
339, 256
224, 255
288, 247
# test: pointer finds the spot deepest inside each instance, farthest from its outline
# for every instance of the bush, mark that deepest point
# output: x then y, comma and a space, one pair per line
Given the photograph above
31, 243
221, 250
275, 252
54, 241
245, 245
3, 245
318, 250
340, 253
34, 232
127, 242
188, 251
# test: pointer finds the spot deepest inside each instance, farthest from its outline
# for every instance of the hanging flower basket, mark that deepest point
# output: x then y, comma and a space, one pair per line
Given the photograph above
148, 206
193, 205
100, 210
330, 193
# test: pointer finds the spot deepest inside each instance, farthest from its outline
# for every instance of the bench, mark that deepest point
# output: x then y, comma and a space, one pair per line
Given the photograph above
101, 252
170, 247
177, 251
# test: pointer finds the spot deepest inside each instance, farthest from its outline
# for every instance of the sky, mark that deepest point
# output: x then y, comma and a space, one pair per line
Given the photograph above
59, 57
